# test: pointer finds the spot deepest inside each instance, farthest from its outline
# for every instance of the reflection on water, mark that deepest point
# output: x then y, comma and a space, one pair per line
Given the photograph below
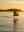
19, 26
7, 24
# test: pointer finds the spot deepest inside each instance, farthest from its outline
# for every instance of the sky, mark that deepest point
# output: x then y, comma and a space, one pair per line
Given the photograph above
5, 4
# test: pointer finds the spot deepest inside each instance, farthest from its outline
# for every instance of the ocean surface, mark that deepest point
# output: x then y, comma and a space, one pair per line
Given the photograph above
7, 22
3, 23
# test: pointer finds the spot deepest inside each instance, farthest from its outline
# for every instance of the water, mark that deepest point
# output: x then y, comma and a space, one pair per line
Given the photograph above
7, 25
3, 23
19, 26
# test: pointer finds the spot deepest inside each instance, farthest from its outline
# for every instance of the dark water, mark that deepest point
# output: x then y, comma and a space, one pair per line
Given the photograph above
3, 31
3, 24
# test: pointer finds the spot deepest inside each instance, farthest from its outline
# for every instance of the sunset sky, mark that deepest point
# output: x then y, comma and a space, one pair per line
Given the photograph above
5, 4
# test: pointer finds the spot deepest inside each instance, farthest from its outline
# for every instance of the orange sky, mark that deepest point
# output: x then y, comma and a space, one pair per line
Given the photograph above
12, 6
16, 6
5, 4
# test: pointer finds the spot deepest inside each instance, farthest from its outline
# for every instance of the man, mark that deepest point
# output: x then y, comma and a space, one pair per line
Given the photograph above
15, 14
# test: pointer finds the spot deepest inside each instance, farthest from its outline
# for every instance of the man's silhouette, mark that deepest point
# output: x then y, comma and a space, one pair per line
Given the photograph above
15, 14
14, 27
